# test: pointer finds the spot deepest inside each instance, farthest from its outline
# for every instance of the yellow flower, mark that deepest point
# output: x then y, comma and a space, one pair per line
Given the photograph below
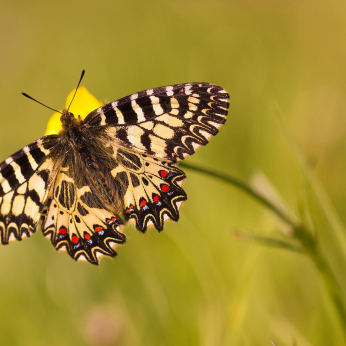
82, 105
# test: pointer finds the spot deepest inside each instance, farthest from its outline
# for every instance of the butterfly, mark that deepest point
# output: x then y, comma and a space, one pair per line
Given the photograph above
119, 164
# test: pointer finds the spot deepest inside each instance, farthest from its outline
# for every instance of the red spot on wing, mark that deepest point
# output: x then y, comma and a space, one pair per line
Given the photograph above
181, 90
113, 219
87, 236
98, 228
163, 174
164, 188
143, 203
156, 198
75, 239
129, 209
62, 230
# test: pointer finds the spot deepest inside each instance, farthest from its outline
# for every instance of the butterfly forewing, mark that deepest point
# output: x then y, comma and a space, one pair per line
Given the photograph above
25, 178
169, 123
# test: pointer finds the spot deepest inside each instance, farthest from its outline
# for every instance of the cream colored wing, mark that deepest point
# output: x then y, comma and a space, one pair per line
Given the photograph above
77, 223
169, 123
25, 179
152, 188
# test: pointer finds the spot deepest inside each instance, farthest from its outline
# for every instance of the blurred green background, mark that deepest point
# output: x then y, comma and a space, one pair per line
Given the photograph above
196, 283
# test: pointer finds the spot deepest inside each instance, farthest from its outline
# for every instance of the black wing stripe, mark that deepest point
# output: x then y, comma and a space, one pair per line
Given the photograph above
109, 112
19, 167
130, 116
34, 197
25, 167
38, 155
147, 107
8, 173
178, 99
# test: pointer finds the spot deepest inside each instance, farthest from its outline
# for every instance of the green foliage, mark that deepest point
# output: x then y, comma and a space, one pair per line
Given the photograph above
197, 282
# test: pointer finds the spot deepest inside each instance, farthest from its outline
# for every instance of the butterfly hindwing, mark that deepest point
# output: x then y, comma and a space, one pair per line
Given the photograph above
154, 193
25, 178
169, 123
76, 224
148, 132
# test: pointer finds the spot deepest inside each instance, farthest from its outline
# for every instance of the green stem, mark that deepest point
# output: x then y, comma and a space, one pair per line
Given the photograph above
313, 250
332, 287
241, 185
301, 233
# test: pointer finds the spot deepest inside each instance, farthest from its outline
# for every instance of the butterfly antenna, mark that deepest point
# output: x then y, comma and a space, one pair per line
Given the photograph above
31, 98
80, 79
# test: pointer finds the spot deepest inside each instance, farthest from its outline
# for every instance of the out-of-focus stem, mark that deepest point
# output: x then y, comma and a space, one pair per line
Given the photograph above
301, 233
241, 185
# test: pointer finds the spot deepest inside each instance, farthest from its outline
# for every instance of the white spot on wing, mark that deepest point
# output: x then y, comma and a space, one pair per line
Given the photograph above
31, 208
192, 107
193, 100
18, 205
22, 189
156, 105
174, 103
82, 258
48, 236
40, 145
163, 131
188, 90
18, 173
212, 123
147, 125
179, 205
134, 96
138, 110
188, 115
11, 238
5, 184
33, 163
195, 146
134, 134
63, 249
103, 119
169, 90
120, 116
112, 244
205, 134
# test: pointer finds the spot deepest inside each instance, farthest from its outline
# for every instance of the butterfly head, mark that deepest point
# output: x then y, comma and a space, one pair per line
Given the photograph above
69, 121
66, 116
